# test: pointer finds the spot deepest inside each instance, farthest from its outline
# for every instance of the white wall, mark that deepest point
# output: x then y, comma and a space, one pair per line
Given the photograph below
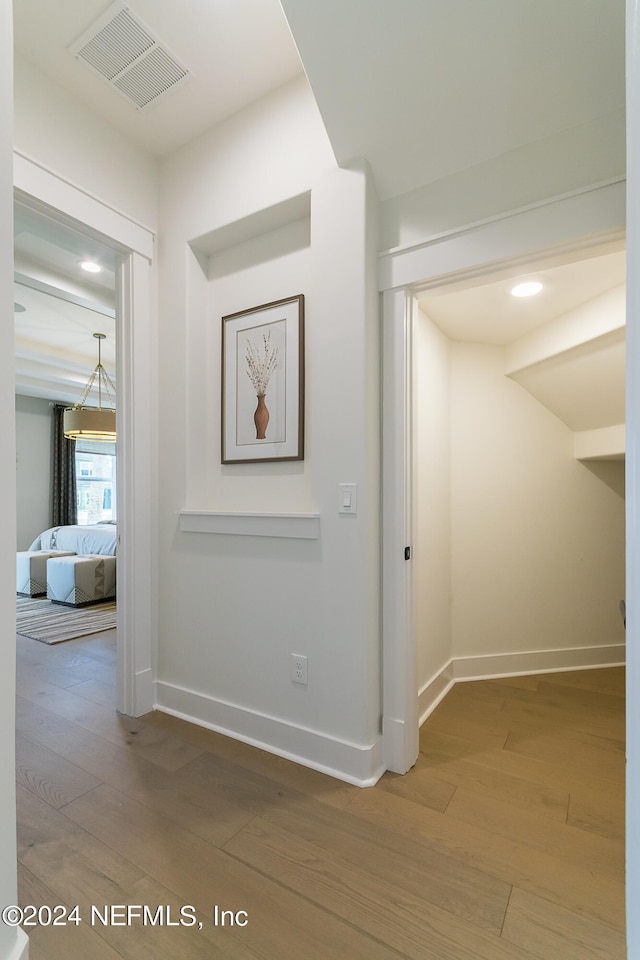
241, 605
63, 134
519, 547
33, 468
537, 537
573, 159
13, 943
432, 500
633, 478
248, 281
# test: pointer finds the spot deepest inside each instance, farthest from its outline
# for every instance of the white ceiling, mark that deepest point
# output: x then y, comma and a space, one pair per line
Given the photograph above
238, 51
51, 251
55, 351
419, 88
484, 311
60, 307
424, 88
581, 381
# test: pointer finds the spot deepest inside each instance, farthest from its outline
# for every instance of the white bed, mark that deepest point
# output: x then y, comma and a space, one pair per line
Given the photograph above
98, 538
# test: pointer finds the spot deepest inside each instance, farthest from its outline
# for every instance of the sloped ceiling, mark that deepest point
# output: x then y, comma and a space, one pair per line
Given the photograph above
484, 311
419, 88
584, 387
565, 346
423, 88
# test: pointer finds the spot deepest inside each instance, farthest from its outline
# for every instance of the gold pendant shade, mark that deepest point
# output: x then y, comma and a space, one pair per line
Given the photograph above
93, 423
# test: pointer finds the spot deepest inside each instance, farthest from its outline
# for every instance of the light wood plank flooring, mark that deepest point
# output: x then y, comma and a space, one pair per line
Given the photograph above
505, 842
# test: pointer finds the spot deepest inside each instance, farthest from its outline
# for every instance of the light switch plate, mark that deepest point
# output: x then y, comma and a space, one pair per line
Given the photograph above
347, 498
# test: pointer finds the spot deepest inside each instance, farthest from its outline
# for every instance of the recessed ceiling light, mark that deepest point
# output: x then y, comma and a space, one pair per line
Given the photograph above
90, 266
527, 289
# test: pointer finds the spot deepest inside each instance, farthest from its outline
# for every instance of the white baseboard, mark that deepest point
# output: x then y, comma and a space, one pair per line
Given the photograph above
20, 949
399, 745
538, 661
430, 695
492, 667
354, 763
144, 692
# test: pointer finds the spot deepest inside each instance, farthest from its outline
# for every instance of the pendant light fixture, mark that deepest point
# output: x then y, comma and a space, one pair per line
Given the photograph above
91, 423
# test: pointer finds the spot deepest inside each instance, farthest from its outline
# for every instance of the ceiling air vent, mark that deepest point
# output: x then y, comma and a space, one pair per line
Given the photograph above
125, 53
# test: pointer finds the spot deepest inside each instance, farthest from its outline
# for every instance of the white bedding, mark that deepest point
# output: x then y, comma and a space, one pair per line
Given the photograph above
89, 538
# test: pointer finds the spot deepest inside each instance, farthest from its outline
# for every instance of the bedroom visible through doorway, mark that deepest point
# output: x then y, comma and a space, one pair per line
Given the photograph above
96, 499
59, 307
133, 245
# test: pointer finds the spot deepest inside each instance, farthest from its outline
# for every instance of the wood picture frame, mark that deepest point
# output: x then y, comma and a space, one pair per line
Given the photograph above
263, 383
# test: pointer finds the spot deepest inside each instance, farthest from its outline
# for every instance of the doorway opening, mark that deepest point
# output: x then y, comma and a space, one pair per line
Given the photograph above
518, 473
130, 248
578, 227
65, 489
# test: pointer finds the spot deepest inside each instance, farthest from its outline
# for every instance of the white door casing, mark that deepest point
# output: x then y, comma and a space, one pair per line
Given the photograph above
580, 221
400, 713
632, 475
136, 627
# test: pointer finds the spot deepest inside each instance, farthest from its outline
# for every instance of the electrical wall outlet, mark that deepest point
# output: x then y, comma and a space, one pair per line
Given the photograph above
299, 669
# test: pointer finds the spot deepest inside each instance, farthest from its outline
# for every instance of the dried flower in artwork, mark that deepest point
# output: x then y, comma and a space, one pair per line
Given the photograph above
259, 369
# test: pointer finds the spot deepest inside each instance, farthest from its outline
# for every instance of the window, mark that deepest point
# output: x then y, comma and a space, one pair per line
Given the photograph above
95, 481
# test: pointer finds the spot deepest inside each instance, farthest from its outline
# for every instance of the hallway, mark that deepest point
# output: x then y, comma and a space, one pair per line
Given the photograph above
505, 842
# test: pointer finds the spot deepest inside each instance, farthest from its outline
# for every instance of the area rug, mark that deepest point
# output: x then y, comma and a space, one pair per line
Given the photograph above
39, 619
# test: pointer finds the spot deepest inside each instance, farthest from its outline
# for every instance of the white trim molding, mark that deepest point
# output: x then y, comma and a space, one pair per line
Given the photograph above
299, 526
20, 949
42, 188
586, 220
354, 763
572, 221
435, 690
492, 666
633, 475
137, 607
502, 665
399, 702
51, 188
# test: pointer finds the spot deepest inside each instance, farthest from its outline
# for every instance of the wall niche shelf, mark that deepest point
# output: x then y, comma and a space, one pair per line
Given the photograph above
297, 526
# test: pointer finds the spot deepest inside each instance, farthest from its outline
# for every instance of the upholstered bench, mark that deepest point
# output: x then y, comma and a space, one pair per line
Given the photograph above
31, 570
81, 579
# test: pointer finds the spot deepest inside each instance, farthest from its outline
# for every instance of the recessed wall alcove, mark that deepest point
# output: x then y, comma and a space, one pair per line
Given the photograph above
262, 236
253, 260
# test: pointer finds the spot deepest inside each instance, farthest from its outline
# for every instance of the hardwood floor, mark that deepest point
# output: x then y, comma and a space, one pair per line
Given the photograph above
505, 842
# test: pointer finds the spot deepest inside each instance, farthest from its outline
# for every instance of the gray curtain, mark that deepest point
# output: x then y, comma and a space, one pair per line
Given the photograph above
65, 509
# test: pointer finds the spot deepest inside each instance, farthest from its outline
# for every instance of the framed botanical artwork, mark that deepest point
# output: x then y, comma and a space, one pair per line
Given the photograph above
263, 383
